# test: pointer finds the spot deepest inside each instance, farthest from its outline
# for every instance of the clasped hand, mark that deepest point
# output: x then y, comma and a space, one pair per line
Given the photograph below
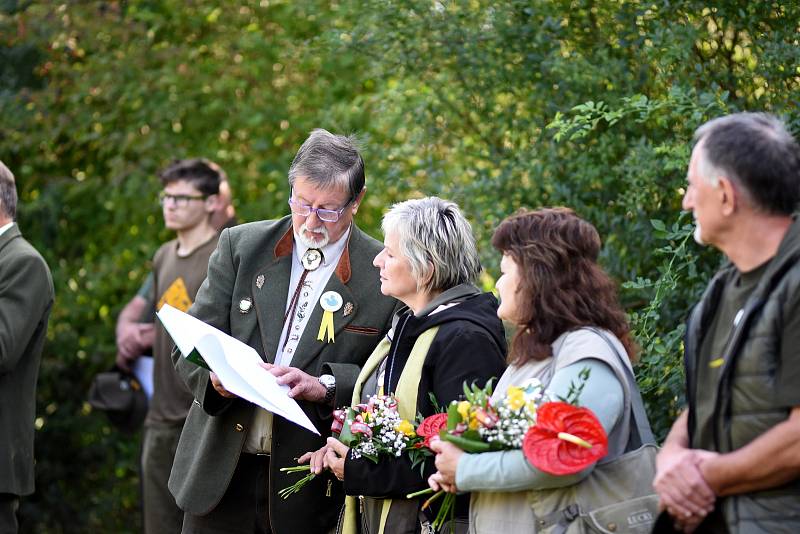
682, 489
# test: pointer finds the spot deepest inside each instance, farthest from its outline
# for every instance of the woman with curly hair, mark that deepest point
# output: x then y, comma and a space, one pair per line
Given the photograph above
568, 319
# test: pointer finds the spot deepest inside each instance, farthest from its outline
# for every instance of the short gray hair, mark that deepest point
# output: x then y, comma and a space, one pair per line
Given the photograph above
8, 192
437, 241
755, 151
329, 161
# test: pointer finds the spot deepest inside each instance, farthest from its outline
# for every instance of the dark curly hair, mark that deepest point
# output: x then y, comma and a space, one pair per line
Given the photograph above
556, 254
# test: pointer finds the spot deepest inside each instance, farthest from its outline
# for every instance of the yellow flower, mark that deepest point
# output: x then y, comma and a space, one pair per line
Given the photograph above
473, 422
463, 410
515, 397
406, 428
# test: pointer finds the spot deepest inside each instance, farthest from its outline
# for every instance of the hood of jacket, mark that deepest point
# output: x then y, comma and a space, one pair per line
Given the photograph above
464, 302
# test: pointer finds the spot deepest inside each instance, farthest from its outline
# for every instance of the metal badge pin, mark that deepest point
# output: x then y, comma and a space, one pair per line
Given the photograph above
245, 305
348, 309
260, 281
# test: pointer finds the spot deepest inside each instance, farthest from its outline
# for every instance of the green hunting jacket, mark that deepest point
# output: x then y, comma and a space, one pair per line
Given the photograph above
26, 297
254, 261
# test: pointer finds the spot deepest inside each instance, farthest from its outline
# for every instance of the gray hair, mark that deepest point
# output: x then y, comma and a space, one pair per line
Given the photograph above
329, 161
437, 241
8, 193
757, 153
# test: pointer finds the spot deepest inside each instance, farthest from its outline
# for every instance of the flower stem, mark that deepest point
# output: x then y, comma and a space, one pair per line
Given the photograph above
295, 469
286, 492
430, 501
419, 493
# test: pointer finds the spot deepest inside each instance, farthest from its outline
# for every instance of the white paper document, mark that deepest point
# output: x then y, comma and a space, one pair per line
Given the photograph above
143, 371
235, 363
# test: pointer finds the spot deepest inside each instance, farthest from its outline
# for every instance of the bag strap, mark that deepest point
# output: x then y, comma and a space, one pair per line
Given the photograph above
640, 422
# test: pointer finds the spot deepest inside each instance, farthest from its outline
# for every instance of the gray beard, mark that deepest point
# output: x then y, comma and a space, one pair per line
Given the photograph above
697, 234
312, 243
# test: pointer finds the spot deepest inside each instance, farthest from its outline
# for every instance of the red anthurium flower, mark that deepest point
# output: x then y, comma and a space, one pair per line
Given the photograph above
565, 439
431, 426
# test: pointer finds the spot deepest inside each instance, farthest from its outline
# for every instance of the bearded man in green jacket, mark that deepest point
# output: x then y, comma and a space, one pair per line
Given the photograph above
302, 291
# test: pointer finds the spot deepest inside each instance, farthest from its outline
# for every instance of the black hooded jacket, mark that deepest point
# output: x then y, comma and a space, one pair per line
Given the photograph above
469, 347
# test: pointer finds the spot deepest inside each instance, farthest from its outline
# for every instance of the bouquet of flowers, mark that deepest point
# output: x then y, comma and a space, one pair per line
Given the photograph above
371, 430
375, 429
556, 436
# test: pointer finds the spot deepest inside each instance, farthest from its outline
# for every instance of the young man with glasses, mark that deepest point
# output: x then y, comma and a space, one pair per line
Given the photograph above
188, 201
135, 330
267, 284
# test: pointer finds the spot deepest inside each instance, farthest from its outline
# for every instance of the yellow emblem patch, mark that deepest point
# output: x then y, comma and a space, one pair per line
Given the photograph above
716, 363
176, 296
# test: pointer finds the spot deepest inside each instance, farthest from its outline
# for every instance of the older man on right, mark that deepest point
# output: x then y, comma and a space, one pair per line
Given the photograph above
731, 462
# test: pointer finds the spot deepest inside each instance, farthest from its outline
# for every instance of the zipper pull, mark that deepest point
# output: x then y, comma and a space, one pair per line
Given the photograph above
328, 491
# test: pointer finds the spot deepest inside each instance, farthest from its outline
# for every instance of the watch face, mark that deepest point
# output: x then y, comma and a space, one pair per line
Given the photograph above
327, 380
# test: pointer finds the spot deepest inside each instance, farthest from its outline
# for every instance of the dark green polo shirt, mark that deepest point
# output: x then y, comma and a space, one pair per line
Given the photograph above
711, 354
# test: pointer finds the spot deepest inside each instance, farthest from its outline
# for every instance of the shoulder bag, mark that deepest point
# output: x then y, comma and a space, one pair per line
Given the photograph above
618, 496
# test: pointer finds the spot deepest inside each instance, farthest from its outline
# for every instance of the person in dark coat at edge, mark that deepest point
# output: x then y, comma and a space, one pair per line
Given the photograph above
26, 298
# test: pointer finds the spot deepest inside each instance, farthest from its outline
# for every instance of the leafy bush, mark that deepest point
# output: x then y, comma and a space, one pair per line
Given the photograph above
493, 104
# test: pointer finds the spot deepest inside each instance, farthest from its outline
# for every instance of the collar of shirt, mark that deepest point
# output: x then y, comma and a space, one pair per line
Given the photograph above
6, 227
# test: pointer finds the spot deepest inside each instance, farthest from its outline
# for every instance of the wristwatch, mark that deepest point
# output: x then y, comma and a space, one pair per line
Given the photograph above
329, 381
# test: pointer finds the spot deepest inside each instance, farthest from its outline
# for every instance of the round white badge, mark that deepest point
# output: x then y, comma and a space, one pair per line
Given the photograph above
330, 301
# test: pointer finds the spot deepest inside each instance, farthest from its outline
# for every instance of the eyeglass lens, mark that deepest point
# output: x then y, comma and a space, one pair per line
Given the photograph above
323, 214
179, 200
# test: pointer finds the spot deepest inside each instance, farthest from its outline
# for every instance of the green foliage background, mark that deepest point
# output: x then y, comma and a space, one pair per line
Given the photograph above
494, 104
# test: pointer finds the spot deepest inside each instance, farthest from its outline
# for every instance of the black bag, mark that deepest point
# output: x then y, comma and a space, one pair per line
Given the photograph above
121, 396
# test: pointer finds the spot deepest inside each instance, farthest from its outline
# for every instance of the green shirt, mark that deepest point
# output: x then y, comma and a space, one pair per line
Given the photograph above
711, 356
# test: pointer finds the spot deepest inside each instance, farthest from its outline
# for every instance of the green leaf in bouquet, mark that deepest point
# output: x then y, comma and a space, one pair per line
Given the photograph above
472, 434
453, 417
371, 457
489, 389
467, 445
346, 436
574, 394
436, 406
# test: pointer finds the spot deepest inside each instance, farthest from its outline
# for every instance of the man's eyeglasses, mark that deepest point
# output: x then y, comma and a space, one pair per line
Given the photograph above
180, 201
305, 210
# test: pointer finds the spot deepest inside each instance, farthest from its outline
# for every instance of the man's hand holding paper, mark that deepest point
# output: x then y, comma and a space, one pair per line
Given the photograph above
237, 367
302, 385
